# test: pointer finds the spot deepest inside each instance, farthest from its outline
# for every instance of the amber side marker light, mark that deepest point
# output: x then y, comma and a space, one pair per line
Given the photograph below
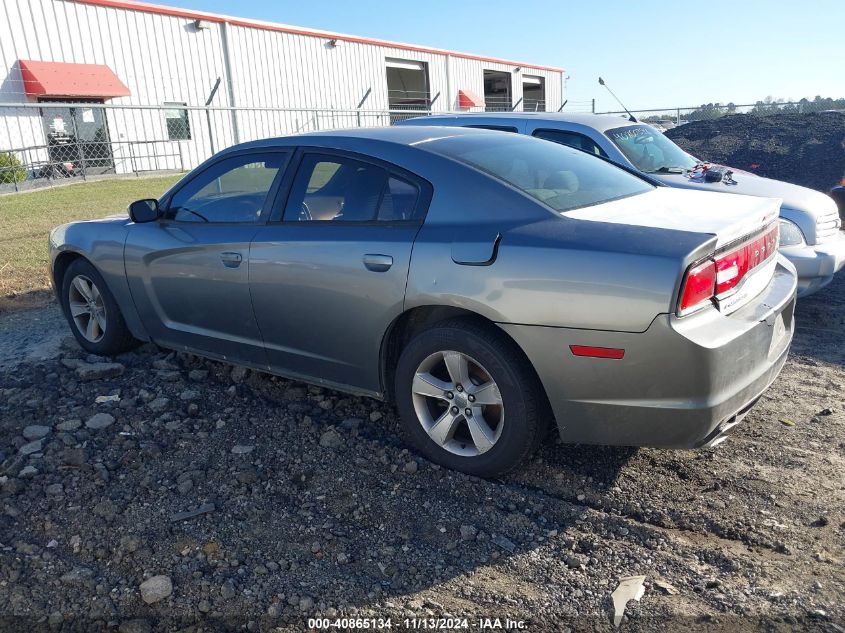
614, 353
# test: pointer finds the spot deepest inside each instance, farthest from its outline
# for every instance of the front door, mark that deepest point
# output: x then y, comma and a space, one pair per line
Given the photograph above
328, 279
189, 272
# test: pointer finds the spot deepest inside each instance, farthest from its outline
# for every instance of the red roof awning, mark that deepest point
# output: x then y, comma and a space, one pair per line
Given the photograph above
468, 99
59, 79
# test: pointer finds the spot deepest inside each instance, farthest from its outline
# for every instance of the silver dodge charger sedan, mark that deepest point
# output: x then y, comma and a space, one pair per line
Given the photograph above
487, 283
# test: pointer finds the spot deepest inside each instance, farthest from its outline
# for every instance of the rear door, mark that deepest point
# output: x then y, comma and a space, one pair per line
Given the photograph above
328, 273
189, 272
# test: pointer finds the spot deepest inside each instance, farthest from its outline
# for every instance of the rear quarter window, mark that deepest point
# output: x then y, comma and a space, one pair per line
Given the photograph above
556, 175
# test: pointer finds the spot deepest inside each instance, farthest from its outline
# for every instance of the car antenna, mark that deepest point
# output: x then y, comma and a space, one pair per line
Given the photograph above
631, 117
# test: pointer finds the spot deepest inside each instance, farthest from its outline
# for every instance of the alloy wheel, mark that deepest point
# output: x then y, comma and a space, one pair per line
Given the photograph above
87, 308
458, 403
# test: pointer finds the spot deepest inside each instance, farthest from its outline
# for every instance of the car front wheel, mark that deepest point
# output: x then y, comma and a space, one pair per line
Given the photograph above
468, 398
92, 312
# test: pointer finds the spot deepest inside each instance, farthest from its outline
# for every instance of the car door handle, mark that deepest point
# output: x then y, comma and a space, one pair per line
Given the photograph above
231, 260
378, 263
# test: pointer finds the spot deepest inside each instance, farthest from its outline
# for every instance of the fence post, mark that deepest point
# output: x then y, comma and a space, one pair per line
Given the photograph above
132, 159
76, 137
593, 108
678, 119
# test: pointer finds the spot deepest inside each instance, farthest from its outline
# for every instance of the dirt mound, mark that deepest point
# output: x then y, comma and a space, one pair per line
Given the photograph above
805, 149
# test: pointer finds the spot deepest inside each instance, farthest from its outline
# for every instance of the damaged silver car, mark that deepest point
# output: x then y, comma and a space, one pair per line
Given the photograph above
489, 284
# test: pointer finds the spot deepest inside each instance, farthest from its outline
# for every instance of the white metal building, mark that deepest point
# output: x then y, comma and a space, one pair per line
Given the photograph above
143, 79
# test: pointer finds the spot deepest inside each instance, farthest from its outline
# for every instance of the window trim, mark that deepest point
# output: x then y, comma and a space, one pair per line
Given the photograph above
294, 165
266, 208
510, 129
580, 134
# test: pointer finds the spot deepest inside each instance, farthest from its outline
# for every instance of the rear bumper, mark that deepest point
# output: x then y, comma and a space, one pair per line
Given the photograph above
816, 264
682, 383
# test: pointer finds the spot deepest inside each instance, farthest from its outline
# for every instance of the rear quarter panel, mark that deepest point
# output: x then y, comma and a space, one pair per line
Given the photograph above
554, 271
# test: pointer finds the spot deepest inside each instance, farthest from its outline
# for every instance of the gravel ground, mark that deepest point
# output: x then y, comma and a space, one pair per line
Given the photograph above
167, 492
804, 149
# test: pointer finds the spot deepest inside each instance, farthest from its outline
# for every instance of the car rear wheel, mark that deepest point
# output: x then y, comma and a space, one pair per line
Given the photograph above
468, 399
92, 312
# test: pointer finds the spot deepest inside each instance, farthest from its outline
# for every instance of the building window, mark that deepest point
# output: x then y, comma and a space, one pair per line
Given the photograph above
407, 85
178, 126
497, 91
533, 94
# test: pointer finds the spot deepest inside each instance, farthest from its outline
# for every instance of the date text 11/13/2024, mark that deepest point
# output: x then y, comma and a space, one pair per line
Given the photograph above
432, 624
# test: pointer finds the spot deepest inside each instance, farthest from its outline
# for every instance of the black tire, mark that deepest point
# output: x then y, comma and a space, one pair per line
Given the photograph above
115, 338
525, 418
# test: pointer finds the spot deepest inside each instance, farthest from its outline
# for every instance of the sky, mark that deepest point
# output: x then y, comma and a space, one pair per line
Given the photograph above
652, 54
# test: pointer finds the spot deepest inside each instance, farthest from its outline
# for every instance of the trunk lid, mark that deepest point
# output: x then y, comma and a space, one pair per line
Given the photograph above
745, 227
727, 216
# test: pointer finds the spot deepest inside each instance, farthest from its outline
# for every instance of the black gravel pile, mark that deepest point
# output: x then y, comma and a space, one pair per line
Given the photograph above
805, 149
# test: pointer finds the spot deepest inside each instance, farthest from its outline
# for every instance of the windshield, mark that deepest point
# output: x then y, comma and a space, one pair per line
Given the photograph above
558, 176
649, 150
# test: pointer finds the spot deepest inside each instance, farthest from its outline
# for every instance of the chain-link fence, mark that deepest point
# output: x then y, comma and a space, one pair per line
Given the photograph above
51, 141
667, 118
48, 142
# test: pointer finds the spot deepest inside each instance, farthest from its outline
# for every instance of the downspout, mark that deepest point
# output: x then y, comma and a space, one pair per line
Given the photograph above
449, 104
563, 98
230, 88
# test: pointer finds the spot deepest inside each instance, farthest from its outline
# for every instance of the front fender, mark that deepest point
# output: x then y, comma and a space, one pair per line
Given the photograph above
101, 242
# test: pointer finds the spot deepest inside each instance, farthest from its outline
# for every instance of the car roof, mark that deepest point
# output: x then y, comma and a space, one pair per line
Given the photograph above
399, 135
600, 122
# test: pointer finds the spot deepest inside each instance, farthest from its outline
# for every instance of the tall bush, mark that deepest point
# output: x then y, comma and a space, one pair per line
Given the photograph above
11, 169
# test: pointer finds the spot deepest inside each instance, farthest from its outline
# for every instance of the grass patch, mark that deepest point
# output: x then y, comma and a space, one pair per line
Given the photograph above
26, 219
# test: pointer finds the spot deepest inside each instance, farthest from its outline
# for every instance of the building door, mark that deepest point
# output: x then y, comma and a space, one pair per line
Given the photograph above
78, 135
407, 87
533, 94
497, 91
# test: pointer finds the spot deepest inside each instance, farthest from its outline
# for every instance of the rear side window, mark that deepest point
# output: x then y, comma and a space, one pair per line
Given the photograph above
232, 190
571, 139
558, 176
340, 189
400, 201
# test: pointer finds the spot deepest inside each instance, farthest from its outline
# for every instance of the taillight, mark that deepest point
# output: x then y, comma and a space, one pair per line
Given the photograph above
733, 265
699, 287
721, 275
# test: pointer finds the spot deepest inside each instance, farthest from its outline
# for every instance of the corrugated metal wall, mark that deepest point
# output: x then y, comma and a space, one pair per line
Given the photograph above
165, 58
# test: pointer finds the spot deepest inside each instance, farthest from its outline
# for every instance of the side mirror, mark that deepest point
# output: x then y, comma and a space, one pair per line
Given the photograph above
144, 211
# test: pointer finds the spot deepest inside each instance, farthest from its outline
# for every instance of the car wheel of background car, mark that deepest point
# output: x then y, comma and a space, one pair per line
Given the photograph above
469, 400
92, 312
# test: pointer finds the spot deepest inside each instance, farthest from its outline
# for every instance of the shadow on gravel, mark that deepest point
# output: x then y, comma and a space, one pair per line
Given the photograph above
820, 324
24, 300
599, 465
